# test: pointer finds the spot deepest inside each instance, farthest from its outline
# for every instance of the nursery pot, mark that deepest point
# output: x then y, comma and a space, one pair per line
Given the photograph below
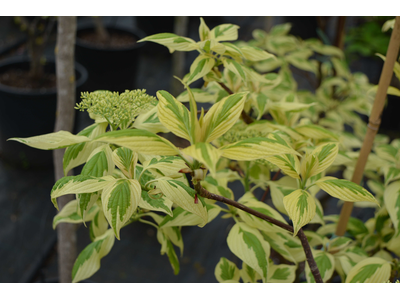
26, 113
109, 68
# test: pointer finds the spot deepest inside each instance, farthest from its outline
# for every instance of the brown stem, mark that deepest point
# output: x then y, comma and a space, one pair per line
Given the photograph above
306, 246
339, 39
267, 190
374, 121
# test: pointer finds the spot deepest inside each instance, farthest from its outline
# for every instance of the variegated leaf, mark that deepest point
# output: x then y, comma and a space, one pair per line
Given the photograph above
392, 203
156, 204
288, 163
120, 199
248, 244
316, 132
255, 54
204, 31
78, 154
174, 115
99, 163
259, 147
200, 96
285, 244
51, 141
206, 154
345, 190
226, 271
68, 214
175, 236
85, 202
98, 226
281, 188
222, 116
338, 244
172, 42
166, 165
140, 141
149, 121
235, 68
370, 270
125, 159
319, 160
281, 273
301, 208
183, 196
88, 261
250, 201
200, 67
248, 274
325, 263
77, 185
167, 247
391, 174
224, 32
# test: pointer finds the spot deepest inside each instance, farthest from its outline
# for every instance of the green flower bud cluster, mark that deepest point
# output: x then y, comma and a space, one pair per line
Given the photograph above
233, 136
119, 110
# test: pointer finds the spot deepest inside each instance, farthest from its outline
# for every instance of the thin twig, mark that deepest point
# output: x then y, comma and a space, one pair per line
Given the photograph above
267, 190
304, 242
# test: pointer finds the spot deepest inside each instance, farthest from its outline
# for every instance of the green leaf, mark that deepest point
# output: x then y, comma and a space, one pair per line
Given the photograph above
226, 271
222, 116
140, 141
301, 208
370, 270
88, 261
345, 190
248, 244
120, 199
51, 141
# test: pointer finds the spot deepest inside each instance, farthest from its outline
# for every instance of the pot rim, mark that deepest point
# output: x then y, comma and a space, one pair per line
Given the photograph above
135, 31
24, 59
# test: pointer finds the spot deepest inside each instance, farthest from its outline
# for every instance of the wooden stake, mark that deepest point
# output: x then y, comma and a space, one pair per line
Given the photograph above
65, 115
374, 121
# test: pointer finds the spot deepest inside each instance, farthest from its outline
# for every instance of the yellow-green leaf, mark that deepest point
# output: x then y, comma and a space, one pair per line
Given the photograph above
206, 154
174, 115
316, 132
224, 32
345, 190
301, 208
200, 67
51, 141
149, 121
88, 261
222, 116
120, 199
183, 196
248, 244
68, 214
125, 159
140, 141
288, 163
172, 42
255, 54
259, 147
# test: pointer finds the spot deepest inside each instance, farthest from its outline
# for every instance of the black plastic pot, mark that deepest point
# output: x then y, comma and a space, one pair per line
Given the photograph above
26, 113
108, 68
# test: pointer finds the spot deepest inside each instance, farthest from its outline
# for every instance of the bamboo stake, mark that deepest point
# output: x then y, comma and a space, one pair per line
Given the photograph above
374, 121
178, 57
339, 40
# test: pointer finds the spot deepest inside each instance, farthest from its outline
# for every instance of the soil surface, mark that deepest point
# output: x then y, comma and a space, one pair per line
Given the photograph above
116, 40
20, 79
